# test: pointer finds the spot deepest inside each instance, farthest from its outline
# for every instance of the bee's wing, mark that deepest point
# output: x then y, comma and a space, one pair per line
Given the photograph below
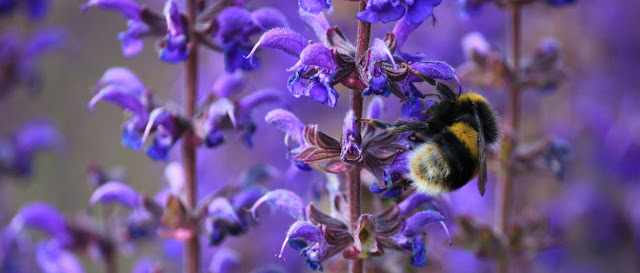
482, 176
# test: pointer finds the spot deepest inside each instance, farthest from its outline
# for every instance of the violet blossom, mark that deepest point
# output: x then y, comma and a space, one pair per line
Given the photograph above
17, 150
385, 11
19, 57
122, 87
322, 65
319, 236
36, 10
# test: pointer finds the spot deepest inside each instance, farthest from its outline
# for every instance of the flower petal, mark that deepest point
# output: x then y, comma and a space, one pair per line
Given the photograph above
128, 8
224, 260
420, 10
248, 103
304, 232
415, 223
286, 122
284, 39
351, 141
53, 259
375, 108
173, 47
267, 18
35, 135
228, 84
383, 11
115, 192
412, 202
402, 30
317, 22
317, 56
232, 22
40, 216
174, 174
145, 265
284, 200
316, 6
121, 76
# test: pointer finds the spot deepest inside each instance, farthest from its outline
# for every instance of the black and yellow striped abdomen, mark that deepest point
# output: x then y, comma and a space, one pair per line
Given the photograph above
447, 162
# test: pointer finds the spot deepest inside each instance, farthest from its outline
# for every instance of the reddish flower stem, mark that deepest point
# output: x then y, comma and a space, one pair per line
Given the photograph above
353, 176
192, 245
510, 139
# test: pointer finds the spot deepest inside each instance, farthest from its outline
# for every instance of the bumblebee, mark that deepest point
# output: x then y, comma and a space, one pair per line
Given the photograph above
451, 142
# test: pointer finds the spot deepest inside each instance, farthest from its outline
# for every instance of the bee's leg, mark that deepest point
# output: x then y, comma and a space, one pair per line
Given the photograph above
397, 128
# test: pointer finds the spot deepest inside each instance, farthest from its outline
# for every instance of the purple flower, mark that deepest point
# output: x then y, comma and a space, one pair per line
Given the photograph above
284, 200
414, 11
40, 216
309, 240
316, 69
556, 156
18, 150
224, 260
351, 140
122, 87
471, 7
558, 3
293, 129
316, 6
35, 9
20, 58
235, 26
116, 192
141, 22
375, 76
383, 11
174, 46
230, 112
52, 258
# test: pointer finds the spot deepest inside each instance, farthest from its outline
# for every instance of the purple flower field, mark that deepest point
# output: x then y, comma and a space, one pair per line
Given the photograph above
224, 136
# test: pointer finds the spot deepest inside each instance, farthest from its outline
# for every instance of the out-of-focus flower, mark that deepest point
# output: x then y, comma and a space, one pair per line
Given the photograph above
141, 22
122, 87
559, 2
414, 11
173, 47
471, 7
485, 67
316, 6
19, 58
293, 129
146, 265
17, 151
227, 110
236, 25
544, 70
35, 9
54, 254
224, 260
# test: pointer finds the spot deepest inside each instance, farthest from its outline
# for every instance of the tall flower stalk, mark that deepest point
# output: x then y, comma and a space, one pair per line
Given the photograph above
192, 245
353, 176
510, 139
